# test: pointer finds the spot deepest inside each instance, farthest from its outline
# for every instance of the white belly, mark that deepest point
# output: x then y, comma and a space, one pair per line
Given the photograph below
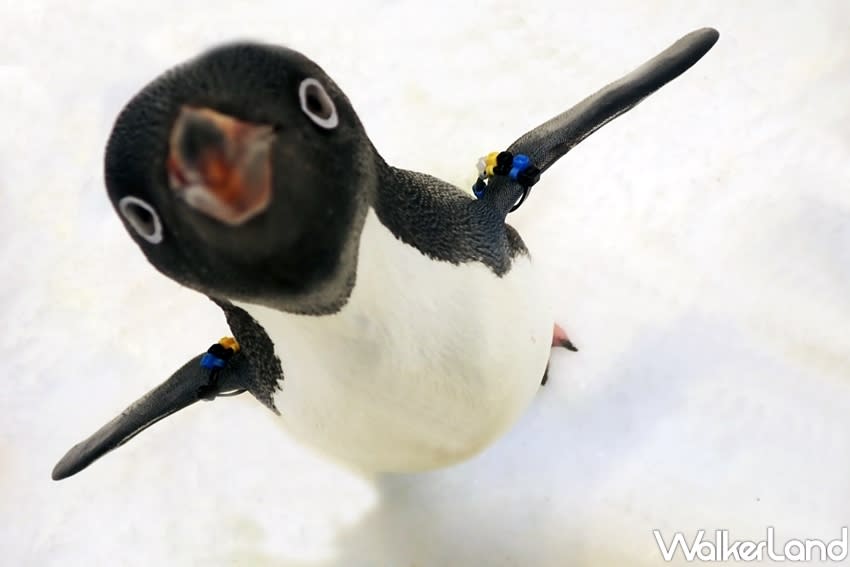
426, 364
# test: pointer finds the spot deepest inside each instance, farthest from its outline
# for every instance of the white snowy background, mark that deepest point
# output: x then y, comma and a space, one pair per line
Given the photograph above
699, 245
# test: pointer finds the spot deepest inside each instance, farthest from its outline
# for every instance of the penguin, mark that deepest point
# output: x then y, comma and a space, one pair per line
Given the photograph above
391, 320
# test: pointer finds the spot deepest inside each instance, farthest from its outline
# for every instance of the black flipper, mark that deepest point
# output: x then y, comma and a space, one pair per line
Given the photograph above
553, 139
188, 385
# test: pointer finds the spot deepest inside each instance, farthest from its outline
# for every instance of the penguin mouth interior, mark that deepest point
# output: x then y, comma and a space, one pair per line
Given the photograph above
220, 165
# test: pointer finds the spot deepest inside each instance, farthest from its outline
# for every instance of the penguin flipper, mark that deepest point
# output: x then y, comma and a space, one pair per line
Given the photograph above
554, 138
550, 141
194, 381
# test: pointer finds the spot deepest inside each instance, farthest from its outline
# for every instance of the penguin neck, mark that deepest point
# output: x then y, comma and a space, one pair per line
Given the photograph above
436, 218
323, 284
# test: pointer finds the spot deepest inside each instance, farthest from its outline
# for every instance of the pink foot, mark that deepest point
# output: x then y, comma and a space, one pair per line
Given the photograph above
560, 339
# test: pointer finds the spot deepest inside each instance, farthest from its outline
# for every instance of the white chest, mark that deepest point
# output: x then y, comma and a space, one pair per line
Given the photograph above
426, 364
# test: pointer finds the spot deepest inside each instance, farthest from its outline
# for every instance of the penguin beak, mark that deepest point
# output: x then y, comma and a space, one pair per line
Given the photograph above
219, 165
188, 385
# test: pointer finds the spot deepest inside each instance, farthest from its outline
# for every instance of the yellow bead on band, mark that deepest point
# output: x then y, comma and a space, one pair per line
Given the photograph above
490, 163
229, 342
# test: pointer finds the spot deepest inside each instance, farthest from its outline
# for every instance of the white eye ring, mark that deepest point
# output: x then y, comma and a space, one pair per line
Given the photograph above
316, 104
142, 217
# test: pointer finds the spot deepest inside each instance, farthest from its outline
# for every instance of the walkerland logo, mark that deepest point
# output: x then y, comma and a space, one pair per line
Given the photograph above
724, 548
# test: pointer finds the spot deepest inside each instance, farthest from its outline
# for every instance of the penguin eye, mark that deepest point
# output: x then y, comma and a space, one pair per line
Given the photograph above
316, 104
142, 217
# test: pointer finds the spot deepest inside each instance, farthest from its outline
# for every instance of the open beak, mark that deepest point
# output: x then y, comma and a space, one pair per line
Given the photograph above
220, 165
188, 385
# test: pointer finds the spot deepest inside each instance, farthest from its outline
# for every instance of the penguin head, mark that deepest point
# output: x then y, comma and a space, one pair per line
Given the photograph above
245, 174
